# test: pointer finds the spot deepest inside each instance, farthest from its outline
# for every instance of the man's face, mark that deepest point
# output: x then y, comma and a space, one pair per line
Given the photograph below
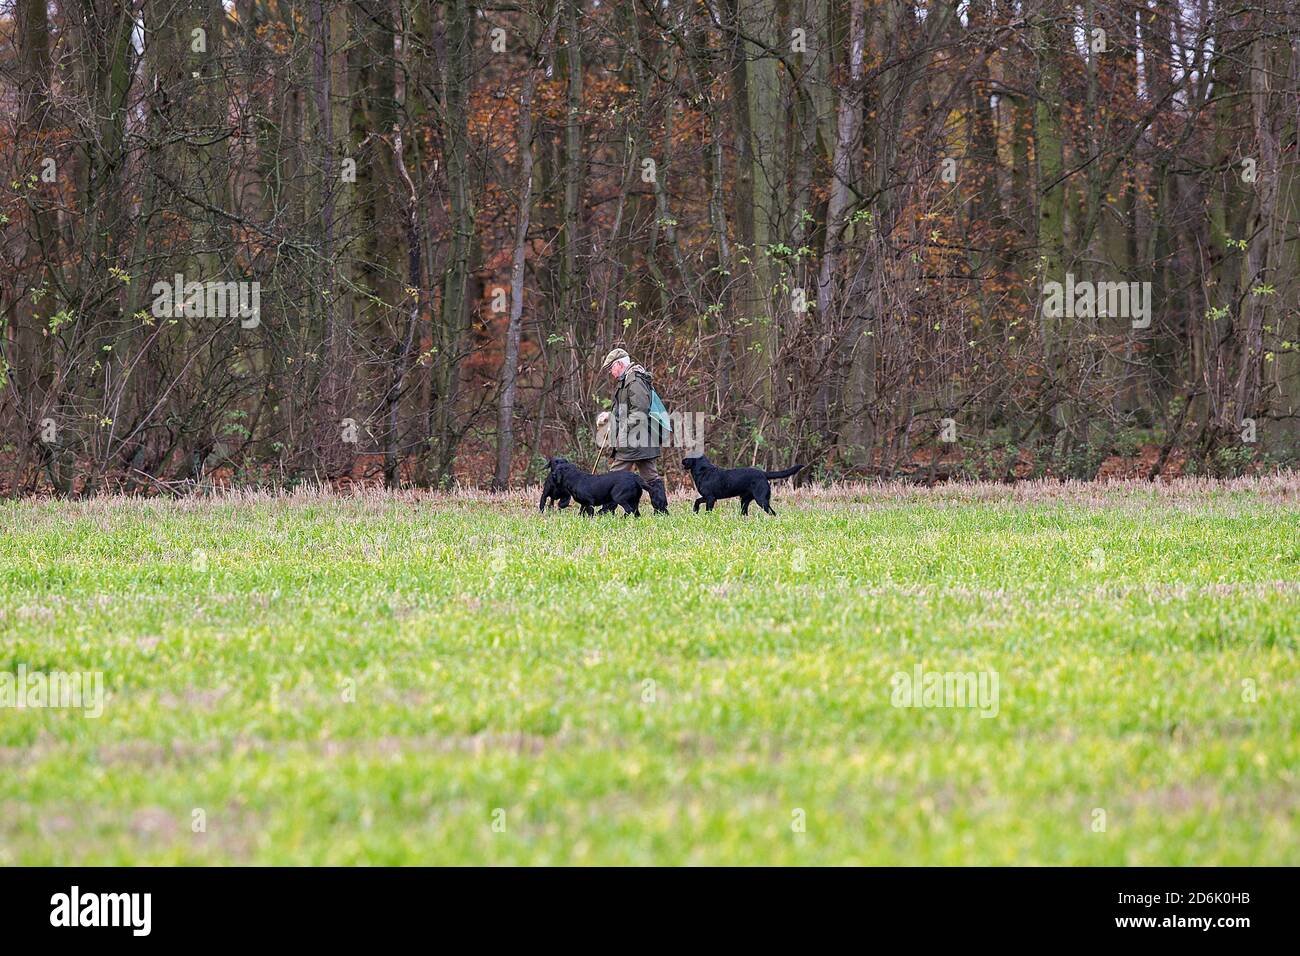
617, 369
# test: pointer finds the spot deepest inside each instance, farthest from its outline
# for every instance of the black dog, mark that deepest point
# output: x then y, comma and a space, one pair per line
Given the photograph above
551, 491
658, 496
749, 484
614, 489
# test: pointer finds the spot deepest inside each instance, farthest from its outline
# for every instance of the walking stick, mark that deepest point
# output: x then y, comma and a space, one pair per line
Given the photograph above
601, 443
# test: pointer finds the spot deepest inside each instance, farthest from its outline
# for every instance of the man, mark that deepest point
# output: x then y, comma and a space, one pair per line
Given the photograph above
634, 438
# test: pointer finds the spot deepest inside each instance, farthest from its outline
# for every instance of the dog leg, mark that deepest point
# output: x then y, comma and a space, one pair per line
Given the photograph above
709, 503
698, 502
744, 505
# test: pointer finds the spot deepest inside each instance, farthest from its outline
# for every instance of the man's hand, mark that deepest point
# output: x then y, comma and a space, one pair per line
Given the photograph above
602, 430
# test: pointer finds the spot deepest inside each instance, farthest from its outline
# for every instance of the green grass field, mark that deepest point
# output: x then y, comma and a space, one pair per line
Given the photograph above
432, 679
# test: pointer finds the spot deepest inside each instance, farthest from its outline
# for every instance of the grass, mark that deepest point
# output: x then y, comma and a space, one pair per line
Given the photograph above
312, 679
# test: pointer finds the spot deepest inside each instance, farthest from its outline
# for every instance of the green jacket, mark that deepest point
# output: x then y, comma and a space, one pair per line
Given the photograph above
631, 437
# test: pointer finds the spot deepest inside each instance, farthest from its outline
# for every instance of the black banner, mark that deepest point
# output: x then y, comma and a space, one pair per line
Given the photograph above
1222, 907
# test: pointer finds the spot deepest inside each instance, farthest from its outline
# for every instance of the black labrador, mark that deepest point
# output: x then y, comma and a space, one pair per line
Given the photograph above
748, 484
614, 489
552, 492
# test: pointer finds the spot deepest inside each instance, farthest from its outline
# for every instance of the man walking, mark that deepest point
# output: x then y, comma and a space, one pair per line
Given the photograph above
635, 437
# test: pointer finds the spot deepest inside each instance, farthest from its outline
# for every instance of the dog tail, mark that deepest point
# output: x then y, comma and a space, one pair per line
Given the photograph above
784, 474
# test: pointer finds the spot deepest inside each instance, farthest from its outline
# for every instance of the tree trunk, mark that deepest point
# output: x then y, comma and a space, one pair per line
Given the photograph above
510, 365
